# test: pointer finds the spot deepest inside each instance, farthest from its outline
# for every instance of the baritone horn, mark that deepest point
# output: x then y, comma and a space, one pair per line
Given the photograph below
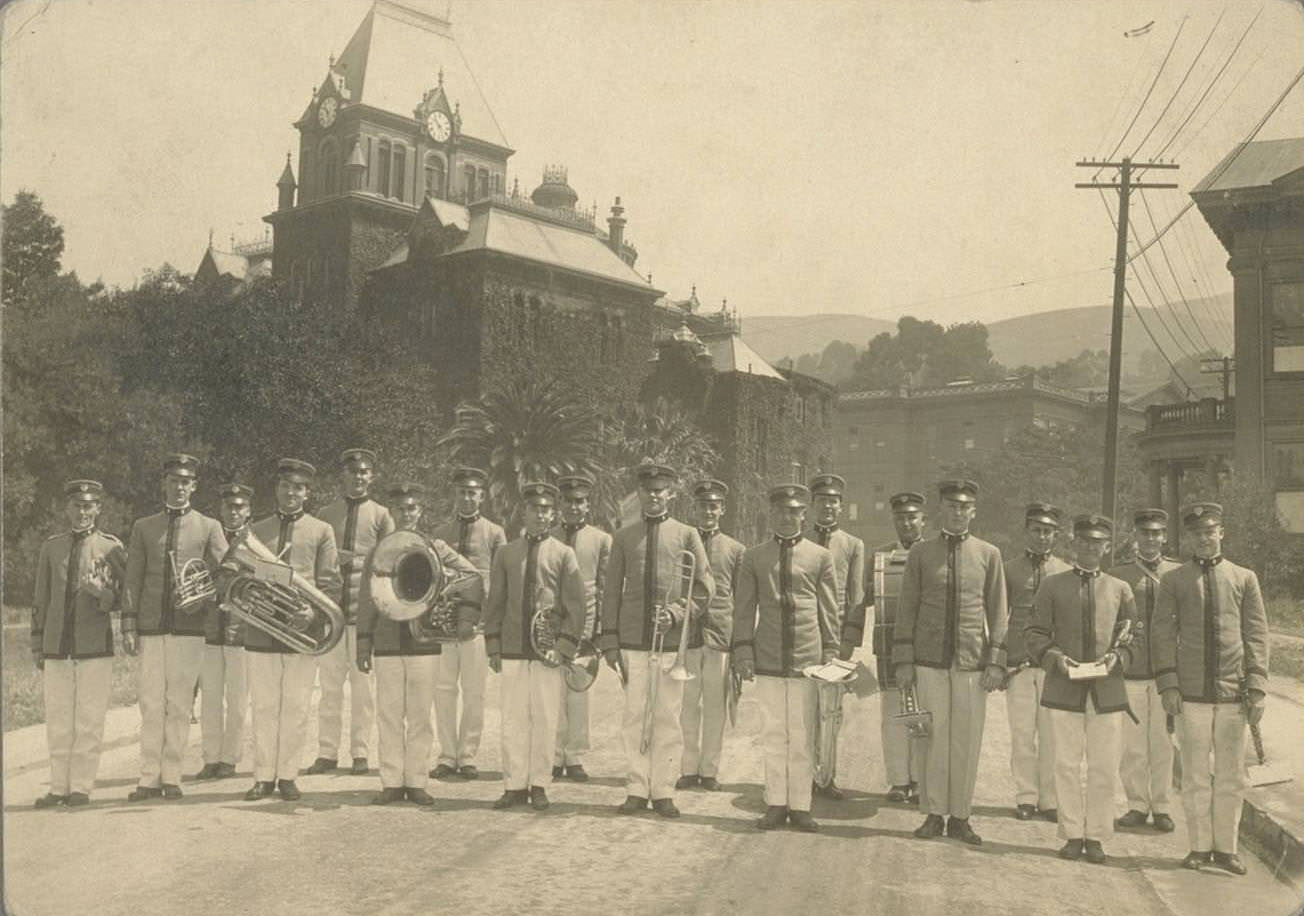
267, 594
411, 585
661, 623
582, 670
192, 584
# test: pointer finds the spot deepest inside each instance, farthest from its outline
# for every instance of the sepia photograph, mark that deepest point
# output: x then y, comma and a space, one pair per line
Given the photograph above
652, 457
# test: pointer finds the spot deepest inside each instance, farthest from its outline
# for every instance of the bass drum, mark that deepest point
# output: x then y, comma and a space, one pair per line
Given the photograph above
889, 567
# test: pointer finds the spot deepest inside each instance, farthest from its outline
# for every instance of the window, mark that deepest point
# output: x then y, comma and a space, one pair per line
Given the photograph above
434, 175
798, 472
328, 155
536, 318
483, 186
382, 171
1288, 465
968, 444
1287, 326
761, 433
497, 183
801, 409
397, 176
468, 183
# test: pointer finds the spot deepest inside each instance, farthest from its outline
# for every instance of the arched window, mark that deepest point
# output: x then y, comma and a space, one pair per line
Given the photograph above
306, 173
397, 175
468, 183
497, 183
382, 169
434, 175
483, 186
328, 156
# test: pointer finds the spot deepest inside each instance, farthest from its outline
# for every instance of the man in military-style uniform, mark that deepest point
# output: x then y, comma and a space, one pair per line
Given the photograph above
407, 505
463, 666
222, 677
359, 523
703, 713
280, 679
644, 593
1080, 617
592, 548
1032, 759
535, 574
849, 569
161, 581
785, 619
78, 576
950, 636
900, 760
405, 668
1210, 651
1147, 763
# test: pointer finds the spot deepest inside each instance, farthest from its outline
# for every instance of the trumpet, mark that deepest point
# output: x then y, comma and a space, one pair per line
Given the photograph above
582, 671
917, 722
662, 621
192, 584
269, 595
410, 584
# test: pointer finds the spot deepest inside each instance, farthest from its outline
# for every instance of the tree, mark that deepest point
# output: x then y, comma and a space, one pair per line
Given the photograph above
662, 432
1089, 369
924, 354
833, 365
33, 247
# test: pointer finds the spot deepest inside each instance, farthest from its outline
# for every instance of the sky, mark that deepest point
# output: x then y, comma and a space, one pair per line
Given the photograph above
874, 158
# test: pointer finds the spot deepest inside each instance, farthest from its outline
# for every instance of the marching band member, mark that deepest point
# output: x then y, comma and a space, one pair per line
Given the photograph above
1081, 616
222, 677
359, 523
280, 679
405, 669
78, 576
642, 596
785, 619
171, 638
407, 504
1032, 759
849, 569
1147, 763
1210, 651
900, 761
535, 573
703, 714
950, 636
464, 665
592, 548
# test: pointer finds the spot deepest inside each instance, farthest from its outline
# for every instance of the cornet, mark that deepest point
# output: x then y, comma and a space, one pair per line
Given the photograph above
661, 623
192, 584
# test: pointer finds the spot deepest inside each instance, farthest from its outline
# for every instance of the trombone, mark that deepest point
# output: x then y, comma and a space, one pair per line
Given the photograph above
662, 621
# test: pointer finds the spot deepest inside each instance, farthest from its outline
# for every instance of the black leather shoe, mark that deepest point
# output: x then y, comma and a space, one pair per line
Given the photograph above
260, 790
359, 767
512, 797
665, 807
687, 781
1227, 861
632, 804
289, 791
1133, 818
774, 817
224, 771
78, 799
558, 772
171, 792
709, 783
207, 771
538, 798
913, 797
831, 792
933, 826
1094, 852
144, 793
1164, 823
1025, 812
1071, 850
803, 821
898, 793
388, 796
443, 771
322, 765
1050, 814
958, 829
419, 797
577, 773
1197, 860
468, 771
50, 800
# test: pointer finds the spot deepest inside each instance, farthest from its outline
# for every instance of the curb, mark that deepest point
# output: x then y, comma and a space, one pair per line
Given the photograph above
1277, 847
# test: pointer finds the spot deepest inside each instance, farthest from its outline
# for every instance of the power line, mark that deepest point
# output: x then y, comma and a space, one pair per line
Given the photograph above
1186, 144
1160, 349
1163, 250
1146, 98
1190, 249
1127, 89
1182, 82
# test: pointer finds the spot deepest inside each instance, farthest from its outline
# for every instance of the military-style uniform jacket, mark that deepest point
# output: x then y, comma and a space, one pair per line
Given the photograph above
1078, 614
1023, 576
1210, 632
592, 548
1144, 580
849, 571
392, 637
68, 622
476, 539
149, 596
644, 567
785, 609
522, 568
312, 554
359, 524
715, 630
965, 628
216, 620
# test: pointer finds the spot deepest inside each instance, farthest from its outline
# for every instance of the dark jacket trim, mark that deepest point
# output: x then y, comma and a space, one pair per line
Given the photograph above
407, 653
1162, 671
773, 672
76, 656
744, 642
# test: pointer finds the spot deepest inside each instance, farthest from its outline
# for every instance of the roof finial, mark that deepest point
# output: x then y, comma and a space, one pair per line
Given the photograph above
649, 278
332, 60
210, 238
441, 77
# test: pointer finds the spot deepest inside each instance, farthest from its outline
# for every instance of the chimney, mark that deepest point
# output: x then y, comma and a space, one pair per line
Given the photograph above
616, 228
285, 186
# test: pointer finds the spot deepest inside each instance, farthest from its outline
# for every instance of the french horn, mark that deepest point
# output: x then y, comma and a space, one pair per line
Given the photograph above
267, 594
192, 584
582, 670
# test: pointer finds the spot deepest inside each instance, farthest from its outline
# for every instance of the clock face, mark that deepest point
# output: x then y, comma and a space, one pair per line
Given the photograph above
438, 125
326, 111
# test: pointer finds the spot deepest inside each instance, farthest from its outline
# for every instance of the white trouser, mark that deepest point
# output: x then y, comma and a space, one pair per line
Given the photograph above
1147, 764
702, 717
789, 710
572, 727
463, 664
900, 760
1086, 814
1212, 804
333, 669
280, 684
405, 689
222, 677
76, 700
530, 696
169, 671
1032, 750
959, 707
652, 775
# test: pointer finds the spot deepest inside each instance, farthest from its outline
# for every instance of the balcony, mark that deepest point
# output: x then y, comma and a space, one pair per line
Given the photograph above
1204, 415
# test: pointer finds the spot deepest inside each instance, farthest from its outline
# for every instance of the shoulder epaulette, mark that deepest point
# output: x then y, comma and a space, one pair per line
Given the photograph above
111, 537
57, 535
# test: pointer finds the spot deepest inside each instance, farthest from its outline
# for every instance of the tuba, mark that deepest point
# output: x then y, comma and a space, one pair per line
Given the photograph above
192, 584
582, 670
409, 584
267, 594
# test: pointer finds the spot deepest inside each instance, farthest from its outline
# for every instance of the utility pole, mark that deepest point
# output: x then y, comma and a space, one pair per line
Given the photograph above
1223, 366
1124, 186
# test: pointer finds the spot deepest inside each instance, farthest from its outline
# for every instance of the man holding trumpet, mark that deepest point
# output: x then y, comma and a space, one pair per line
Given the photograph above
649, 590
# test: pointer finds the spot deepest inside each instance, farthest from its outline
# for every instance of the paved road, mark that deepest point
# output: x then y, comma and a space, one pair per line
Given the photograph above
333, 853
